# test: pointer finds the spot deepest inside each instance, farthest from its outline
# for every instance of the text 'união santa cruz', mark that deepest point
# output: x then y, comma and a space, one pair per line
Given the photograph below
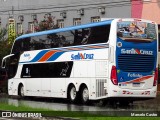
136, 51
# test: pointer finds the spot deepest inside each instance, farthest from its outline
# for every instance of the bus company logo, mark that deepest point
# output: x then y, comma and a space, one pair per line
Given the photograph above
26, 55
135, 75
81, 56
136, 51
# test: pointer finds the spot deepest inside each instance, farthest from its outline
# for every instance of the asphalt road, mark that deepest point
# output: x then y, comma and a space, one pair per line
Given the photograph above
64, 105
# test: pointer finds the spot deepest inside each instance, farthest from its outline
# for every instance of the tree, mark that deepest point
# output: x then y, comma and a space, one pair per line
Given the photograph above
5, 49
4, 46
46, 24
3, 32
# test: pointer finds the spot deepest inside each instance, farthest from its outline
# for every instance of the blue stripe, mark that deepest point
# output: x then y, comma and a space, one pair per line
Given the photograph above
65, 49
39, 55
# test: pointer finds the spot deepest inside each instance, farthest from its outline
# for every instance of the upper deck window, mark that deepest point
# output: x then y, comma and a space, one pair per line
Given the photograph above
90, 35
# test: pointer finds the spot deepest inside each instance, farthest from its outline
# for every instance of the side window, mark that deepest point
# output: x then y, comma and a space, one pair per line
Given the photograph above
52, 41
39, 42
26, 71
47, 70
12, 65
81, 36
65, 39
99, 34
17, 46
91, 35
21, 45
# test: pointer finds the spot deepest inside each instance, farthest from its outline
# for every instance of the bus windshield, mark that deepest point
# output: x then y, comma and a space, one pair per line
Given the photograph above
136, 31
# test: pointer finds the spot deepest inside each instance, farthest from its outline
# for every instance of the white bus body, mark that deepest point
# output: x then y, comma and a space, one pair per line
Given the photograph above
97, 71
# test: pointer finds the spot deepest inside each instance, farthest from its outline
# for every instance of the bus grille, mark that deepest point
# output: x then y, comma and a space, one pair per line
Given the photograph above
136, 63
100, 90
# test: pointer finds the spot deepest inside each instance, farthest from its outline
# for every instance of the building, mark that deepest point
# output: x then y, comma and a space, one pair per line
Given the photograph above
64, 12
146, 9
71, 12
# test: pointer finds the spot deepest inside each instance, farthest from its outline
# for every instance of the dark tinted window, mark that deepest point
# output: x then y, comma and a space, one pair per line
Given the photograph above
3, 74
90, 35
12, 65
47, 70
21, 45
99, 34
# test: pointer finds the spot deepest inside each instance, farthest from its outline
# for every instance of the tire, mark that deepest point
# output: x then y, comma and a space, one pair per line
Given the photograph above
72, 94
21, 91
84, 94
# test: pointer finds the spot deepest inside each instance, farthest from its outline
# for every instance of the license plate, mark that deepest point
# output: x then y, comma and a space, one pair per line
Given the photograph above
136, 84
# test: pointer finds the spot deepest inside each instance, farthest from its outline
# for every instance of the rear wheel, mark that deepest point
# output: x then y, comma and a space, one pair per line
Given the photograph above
84, 94
72, 93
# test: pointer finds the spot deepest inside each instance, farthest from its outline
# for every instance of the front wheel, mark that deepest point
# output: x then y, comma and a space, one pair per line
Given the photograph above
21, 91
84, 93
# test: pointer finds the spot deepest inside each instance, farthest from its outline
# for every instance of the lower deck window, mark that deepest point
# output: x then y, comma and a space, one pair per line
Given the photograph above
47, 70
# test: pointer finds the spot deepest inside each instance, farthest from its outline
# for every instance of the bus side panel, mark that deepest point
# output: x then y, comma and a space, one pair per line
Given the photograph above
33, 86
13, 85
58, 87
46, 87
94, 74
83, 72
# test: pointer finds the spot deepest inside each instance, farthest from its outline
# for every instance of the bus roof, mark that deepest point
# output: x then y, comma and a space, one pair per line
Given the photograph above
65, 29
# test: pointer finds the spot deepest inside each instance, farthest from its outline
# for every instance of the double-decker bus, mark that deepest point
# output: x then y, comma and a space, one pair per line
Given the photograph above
115, 58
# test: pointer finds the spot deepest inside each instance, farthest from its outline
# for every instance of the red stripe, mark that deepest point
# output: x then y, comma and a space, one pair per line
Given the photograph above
47, 56
74, 48
95, 46
139, 79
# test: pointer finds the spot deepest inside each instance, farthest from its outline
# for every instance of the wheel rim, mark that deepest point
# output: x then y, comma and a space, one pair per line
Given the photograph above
73, 93
22, 91
85, 94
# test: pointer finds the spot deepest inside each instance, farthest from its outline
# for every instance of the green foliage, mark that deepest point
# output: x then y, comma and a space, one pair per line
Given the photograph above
4, 46
3, 32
